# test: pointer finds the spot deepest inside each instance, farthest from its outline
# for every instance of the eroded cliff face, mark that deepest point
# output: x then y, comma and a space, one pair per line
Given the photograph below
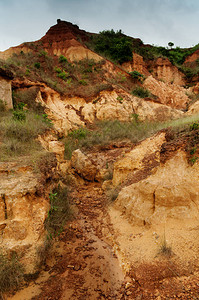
24, 205
69, 113
6, 92
163, 70
170, 192
157, 181
172, 95
137, 64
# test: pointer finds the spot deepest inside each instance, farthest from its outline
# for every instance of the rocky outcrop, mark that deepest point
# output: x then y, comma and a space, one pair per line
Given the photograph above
83, 165
170, 192
168, 94
192, 57
142, 159
23, 209
137, 64
62, 112
162, 69
5, 88
69, 113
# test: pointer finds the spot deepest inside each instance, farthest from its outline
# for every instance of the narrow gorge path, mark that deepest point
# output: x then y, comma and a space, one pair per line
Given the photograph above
83, 265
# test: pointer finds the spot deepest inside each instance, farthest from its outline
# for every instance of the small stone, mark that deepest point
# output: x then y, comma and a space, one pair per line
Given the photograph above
128, 293
128, 284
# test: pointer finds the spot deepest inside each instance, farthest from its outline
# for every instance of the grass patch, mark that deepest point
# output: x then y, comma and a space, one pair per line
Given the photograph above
11, 273
59, 213
105, 132
165, 249
112, 194
19, 136
27, 96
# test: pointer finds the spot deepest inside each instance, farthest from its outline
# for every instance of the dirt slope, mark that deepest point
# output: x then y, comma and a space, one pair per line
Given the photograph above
83, 265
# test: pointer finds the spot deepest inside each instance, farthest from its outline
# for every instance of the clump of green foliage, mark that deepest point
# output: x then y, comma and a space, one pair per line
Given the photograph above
62, 59
11, 273
60, 211
113, 45
37, 65
137, 75
141, 92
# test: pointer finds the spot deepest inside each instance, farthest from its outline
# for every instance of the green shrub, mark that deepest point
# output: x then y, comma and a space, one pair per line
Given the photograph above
137, 75
37, 65
141, 92
11, 273
62, 75
120, 99
105, 132
193, 159
63, 59
79, 133
83, 82
19, 115
27, 72
57, 69
59, 213
43, 53
194, 126
114, 45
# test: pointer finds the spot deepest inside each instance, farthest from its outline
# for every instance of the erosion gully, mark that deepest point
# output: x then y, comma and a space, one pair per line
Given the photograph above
82, 264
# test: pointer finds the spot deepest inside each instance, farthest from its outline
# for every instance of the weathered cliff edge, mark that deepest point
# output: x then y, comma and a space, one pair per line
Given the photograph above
24, 203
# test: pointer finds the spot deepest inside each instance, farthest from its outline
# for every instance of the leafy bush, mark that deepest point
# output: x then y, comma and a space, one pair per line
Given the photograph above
63, 75
113, 45
59, 213
83, 82
11, 273
63, 59
194, 126
141, 92
19, 115
37, 65
136, 75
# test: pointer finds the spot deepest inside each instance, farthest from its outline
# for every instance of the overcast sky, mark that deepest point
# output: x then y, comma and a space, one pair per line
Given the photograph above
154, 21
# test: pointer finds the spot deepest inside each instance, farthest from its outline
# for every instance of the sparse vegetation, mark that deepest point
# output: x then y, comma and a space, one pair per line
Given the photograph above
11, 273
112, 194
105, 132
137, 75
2, 106
60, 211
165, 249
141, 92
19, 130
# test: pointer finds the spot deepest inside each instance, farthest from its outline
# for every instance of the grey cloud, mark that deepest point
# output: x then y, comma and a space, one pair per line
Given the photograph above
154, 21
